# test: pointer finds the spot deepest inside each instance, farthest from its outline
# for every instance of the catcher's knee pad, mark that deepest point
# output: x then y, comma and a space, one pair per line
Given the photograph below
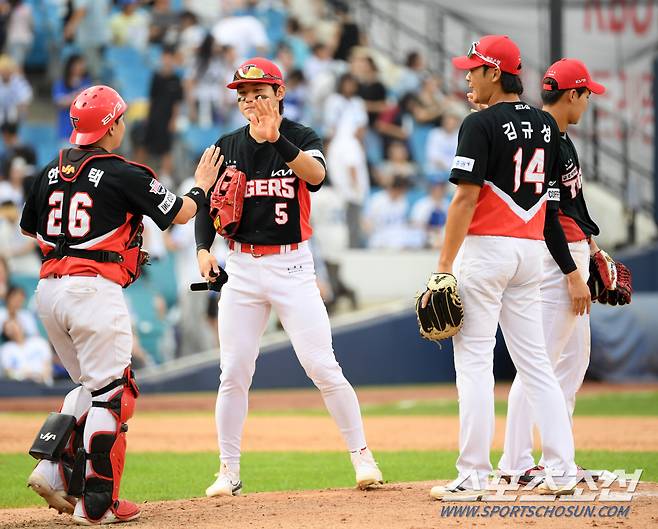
98, 485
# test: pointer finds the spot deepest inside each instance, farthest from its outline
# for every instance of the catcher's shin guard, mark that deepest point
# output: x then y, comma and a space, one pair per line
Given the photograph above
102, 460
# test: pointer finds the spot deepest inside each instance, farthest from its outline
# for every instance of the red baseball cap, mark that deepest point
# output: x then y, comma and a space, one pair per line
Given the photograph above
571, 73
257, 70
498, 51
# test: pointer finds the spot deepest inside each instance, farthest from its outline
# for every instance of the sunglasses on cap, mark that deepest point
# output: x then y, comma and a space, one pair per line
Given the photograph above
251, 72
472, 51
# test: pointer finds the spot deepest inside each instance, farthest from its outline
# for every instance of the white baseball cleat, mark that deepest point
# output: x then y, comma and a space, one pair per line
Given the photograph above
57, 499
367, 471
557, 489
457, 491
227, 483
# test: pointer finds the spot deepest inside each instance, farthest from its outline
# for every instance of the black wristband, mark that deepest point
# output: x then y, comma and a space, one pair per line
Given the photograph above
286, 148
198, 195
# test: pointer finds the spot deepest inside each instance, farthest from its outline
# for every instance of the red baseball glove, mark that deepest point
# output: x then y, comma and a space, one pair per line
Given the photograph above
610, 282
226, 201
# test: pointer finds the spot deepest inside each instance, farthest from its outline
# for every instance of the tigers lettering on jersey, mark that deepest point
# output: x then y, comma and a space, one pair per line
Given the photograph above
271, 187
510, 149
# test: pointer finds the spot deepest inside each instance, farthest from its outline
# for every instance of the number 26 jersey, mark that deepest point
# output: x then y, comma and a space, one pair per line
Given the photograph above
511, 150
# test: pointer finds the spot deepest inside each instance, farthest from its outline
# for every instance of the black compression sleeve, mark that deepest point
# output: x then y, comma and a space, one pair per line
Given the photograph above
204, 232
556, 242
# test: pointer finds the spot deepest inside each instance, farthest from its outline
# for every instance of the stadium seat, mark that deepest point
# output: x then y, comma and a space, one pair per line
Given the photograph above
42, 137
196, 138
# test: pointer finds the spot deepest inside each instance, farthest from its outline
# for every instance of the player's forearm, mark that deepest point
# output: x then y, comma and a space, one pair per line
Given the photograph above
556, 242
460, 214
307, 168
186, 212
204, 231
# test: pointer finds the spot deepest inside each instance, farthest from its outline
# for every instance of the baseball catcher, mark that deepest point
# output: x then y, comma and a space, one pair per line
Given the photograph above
610, 282
439, 309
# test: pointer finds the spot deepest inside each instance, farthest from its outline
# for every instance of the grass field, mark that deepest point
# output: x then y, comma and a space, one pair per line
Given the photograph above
170, 475
166, 476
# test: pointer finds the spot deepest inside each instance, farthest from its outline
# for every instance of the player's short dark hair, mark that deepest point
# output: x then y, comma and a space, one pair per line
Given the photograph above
510, 83
276, 87
551, 97
9, 127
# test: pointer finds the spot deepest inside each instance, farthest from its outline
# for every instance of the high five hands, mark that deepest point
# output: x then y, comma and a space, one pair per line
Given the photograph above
265, 119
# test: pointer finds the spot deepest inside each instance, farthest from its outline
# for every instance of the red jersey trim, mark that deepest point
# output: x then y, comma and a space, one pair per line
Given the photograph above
572, 231
304, 211
496, 214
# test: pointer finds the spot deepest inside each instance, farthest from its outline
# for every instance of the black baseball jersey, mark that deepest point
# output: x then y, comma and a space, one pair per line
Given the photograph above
277, 204
574, 217
93, 197
511, 150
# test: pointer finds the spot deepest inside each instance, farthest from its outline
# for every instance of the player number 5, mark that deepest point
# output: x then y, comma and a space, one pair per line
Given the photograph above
280, 213
534, 172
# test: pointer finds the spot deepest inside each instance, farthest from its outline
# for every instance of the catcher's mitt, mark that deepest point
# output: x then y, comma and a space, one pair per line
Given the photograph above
609, 281
444, 315
226, 201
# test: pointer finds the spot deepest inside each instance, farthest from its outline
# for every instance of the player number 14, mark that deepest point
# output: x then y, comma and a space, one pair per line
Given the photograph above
534, 171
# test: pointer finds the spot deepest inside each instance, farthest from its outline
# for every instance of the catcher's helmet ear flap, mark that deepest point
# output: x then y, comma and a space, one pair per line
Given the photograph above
92, 113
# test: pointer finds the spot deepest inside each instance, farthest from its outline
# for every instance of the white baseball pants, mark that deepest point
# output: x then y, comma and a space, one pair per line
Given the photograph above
287, 283
499, 280
567, 338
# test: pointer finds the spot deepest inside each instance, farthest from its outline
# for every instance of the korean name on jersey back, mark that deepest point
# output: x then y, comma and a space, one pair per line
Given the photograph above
95, 210
510, 149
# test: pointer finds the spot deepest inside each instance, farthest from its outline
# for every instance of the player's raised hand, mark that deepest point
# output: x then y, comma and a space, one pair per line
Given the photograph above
265, 120
207, 170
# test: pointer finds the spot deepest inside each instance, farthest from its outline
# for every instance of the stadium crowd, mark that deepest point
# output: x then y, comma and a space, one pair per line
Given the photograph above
390, 134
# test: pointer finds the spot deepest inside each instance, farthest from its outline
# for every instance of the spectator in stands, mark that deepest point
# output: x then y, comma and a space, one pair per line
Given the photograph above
345, 122
395, 124
411, 74
296, 42
130, 26
284, 58
20, 31
4, 281
164, 23
397, 162
432, 102
319, 61
15, 148
208, 71
429, 214
190, 37
371, 89
348, 34
15, 91
442, 146
17, 253
12, 187
24, 354
244, 33
88, 29
385, 218
165, 97
296, 95
73, 81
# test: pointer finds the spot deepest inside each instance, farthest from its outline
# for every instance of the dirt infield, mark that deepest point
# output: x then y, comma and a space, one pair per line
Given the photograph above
393, 506
397, 505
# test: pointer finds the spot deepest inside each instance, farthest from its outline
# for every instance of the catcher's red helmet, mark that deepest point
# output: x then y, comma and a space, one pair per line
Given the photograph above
93, 111
257, 70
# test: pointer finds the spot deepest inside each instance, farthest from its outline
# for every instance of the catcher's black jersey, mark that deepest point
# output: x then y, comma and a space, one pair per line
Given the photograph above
511, 150
574, 217
93, 204
277, 204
